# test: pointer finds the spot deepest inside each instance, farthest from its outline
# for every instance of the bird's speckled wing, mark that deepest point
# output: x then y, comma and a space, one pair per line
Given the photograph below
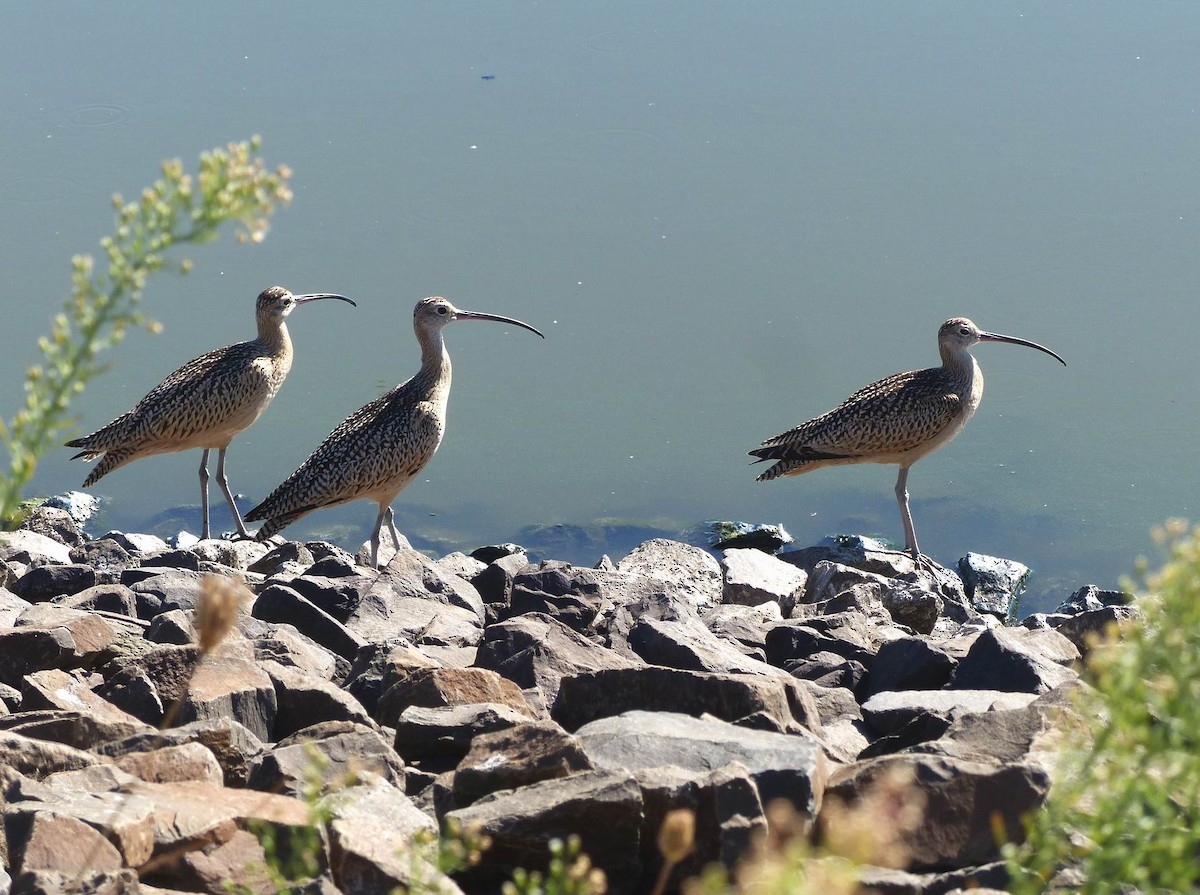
374, 451
204, 393
891, 416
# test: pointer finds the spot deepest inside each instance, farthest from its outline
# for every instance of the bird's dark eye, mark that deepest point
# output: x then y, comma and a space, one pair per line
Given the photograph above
964, 331
441, 310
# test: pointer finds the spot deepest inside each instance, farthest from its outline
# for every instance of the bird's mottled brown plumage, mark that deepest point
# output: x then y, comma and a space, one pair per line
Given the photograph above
898, 419
205, 403
376, 451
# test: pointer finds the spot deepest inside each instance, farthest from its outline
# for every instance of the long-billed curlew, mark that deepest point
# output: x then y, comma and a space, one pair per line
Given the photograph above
377, 450
206, 402
898, 420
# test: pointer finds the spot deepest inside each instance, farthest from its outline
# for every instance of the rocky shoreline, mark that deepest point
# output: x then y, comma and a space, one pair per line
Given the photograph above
522, 701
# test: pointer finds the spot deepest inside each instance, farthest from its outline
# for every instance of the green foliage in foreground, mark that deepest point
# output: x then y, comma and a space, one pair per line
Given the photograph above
1124, 814
232, 186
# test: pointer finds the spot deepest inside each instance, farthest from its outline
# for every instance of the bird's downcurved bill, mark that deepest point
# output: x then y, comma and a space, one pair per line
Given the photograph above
478, 315
317, 296
1013, 340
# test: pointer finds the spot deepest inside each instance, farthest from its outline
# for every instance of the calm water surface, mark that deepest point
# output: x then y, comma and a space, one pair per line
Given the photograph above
725, 217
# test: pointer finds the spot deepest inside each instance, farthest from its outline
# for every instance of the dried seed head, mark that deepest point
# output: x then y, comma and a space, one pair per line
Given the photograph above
677, 835
217, 609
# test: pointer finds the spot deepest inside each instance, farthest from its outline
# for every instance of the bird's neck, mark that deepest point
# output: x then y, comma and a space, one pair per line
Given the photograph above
274, 338
435, 359
959, 363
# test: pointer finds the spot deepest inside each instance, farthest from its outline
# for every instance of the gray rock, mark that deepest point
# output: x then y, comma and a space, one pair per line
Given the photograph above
287, 559
234, 747
104, 555
371, 828
379, 666
537, 651
42, 583
847, 634
791, 767
828, 670
25, 650
413, 598
912, 605
38, 758
689, 644
56, 689
80, 506
909, 663
829, 581
277, 603
889, 711
446, 732
516, 756
1085, 629
125, 821
993, 584
54, 522
1017, 660
988, 879
284, 644
412, 574
1090, 597
182, 559
302, 699
688, 571
332, 753
727, 535
45, 841
999, 797
115, 598
490, 553
728, 813
567, 593
138, 544
439, 687
458, 563
172, 627
591, 695
227, 686
166, 590
337, 595
11, 608
746, 625
495, 580
750, 577
602, 808
857, 551
30, 548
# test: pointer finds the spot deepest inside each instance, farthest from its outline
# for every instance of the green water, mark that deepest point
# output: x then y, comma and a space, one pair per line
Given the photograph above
725, 217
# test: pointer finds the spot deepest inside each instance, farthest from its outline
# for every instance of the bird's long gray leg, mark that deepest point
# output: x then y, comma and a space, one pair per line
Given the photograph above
910, 533
204, 495
383, 511
224, 483
391, 521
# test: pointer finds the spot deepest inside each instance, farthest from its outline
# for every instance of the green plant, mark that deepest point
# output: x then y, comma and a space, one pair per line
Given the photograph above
232, 185
1124, 812
454, 850
570, 873
295, 855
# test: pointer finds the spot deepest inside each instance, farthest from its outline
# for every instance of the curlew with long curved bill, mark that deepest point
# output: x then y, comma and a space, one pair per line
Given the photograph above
898, 419
205, 403
377, 450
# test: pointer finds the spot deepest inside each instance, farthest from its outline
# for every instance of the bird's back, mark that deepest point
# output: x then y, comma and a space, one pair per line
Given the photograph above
202, 404
372, 454
889, 421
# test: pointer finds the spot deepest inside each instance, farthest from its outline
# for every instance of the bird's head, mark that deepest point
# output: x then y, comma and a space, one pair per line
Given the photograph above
432, 313
958, 334
274, 303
